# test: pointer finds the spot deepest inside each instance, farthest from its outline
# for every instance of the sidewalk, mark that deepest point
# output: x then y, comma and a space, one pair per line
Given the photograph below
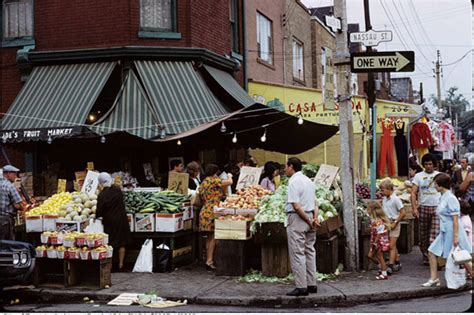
198, 286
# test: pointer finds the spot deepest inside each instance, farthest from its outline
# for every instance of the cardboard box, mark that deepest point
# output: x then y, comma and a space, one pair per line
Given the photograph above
329, 226
49, 222
251, 212
144, 222
188, 224
223, 211
131, 221
188, 211
34, 223
169, 223
232, 230
71, 226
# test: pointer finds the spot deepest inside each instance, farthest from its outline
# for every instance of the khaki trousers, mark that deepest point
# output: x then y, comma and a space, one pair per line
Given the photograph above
301, 239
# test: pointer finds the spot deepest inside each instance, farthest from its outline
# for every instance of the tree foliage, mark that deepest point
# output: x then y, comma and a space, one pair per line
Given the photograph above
456, 102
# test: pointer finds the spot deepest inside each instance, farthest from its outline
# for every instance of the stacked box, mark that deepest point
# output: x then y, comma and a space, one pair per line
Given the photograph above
144, 222
169, 223
232, 230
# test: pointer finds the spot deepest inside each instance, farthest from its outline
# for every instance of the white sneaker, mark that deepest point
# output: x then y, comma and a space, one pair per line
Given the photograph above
431, 283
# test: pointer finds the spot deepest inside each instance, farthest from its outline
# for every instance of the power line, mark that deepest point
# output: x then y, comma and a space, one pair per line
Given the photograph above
426, 38
454, 62
440, 15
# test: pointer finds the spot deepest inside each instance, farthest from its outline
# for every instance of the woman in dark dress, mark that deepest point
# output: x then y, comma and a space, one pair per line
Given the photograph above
111, 208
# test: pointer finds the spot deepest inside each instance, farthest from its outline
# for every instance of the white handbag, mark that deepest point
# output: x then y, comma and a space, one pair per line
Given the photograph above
461, 256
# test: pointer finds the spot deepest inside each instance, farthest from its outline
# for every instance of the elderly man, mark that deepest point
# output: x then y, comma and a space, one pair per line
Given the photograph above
302, 221
10, 202
459, 176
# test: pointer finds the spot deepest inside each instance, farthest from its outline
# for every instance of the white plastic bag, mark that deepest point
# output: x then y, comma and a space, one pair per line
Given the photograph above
95, 226
455, 274
461, 256
144, 261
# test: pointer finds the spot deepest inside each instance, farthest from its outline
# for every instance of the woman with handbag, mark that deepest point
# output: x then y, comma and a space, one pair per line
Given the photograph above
451, 233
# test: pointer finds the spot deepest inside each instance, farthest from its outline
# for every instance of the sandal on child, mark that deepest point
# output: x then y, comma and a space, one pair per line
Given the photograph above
381, 277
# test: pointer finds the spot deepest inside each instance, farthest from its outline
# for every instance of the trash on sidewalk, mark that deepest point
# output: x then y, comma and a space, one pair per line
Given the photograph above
124, 299
148, 300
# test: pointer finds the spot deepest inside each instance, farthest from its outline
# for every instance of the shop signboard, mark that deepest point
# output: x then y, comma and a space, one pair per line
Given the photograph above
178, 182
90, 183
326, 175
90, 166
61, 185
249, 176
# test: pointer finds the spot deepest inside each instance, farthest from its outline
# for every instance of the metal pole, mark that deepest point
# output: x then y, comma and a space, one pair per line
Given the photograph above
438, 83
347, 137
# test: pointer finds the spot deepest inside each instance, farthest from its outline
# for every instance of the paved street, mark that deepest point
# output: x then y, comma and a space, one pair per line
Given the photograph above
458, 302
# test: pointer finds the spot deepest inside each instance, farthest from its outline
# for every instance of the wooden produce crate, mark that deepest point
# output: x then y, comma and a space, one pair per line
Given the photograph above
364, 247
327, 254
49, 272
232, 230
231, 257
95, 273
329, 227
275, 260
408, 212
271, 233
407, 237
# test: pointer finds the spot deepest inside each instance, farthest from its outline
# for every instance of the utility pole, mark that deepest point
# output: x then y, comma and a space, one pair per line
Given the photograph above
373, 111
347, 137
438, 81
421, 93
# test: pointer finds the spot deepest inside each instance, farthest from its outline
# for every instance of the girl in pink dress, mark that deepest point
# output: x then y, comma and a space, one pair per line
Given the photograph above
379, 242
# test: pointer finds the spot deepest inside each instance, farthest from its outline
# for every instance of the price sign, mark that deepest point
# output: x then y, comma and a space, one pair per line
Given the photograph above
90, 166
326, 175
249, 176
90, 183
61, 185
178, 182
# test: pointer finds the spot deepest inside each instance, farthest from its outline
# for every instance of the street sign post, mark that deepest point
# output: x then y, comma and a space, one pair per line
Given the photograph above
386, 61
333, 23
371, 37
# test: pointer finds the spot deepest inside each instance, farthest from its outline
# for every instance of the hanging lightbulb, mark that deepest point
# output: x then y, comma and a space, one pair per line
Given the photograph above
264, 137
102, 139
179, 142
234, 139
300, 120
162, 133
50, 140
223, 128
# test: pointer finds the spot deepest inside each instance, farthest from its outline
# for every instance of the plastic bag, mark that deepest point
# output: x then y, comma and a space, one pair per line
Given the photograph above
144, 261
162, 259
455, 274
95, 226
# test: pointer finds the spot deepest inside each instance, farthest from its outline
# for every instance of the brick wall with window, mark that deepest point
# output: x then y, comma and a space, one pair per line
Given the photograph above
322, 37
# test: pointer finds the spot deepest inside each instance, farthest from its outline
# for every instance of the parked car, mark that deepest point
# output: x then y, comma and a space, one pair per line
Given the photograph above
17, 262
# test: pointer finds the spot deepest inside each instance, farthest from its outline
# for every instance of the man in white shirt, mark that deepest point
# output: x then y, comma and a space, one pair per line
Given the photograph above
302, 216
425, 199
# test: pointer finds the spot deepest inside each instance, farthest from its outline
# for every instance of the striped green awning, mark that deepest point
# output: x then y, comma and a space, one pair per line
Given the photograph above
179, 95
230, 85
131, 112
57, 96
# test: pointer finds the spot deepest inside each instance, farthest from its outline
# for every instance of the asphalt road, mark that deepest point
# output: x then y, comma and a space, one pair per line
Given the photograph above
451, 303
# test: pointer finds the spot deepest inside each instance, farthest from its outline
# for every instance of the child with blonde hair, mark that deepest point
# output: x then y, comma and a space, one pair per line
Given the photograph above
379, 243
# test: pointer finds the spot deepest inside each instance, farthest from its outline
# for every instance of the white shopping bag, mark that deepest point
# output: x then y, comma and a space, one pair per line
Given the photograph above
455, 274
144, 261
95, 226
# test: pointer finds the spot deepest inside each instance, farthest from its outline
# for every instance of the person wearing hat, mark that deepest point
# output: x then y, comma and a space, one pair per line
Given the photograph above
111, 208
10, 202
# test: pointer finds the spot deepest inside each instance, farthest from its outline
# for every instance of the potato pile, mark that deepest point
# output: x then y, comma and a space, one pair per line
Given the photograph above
245, 198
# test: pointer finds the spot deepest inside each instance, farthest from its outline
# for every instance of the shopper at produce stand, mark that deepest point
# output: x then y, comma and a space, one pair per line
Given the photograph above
10, 202
395, 211
302, 218
268, 177
451, 233
211, 192
425, 198
111, 208
175, 166
193, 171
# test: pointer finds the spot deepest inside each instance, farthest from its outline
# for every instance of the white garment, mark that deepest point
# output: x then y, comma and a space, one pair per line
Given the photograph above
435, 131
427, 194
225, 176
300, 190
392, 206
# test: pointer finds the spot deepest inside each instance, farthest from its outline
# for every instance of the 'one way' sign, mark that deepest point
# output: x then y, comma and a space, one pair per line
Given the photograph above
386, 61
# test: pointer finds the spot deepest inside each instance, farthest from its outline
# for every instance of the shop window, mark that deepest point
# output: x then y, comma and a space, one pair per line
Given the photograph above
17, 22
298, 60
264, 38
234, 25
158, 19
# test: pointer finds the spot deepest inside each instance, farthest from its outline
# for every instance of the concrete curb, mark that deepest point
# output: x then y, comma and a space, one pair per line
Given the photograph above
47, 295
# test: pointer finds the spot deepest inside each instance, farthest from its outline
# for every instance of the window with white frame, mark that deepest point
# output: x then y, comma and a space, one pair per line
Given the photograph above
298, 60
17, 18
264, 38
158, 15
234, 25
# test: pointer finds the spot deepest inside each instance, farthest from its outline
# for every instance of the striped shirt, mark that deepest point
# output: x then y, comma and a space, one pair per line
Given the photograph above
9, 196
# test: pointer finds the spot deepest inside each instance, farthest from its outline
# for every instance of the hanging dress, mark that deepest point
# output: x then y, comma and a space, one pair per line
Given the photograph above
401, 148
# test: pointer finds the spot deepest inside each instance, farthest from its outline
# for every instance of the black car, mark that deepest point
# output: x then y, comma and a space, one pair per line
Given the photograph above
17, 262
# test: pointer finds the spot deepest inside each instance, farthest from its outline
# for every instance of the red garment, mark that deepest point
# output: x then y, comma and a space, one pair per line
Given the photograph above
386, 153
383, 243
420, 136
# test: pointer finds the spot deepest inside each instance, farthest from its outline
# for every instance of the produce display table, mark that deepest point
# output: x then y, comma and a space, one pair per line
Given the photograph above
181, 244
67, 273
407, 237
232, 257
327, 254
